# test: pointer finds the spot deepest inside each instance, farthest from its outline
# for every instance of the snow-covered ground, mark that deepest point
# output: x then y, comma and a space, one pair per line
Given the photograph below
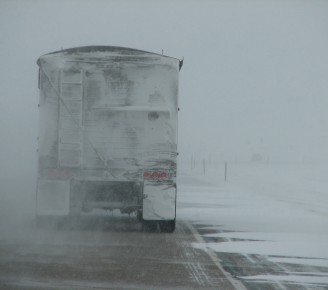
279, 211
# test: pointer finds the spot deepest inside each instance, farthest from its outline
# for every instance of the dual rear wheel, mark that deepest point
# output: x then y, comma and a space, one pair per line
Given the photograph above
164, 226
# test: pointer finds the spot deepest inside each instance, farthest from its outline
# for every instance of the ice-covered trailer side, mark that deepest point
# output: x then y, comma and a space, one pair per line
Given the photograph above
108, 133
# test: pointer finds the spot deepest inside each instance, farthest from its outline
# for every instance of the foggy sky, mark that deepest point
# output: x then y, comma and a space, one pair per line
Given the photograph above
254, 78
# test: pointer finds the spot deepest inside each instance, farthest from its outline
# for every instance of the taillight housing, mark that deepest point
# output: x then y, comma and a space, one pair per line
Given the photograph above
155, 175
146, 174
163, 175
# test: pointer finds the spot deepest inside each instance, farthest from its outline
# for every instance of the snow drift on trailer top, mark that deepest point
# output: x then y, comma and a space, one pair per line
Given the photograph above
108, 133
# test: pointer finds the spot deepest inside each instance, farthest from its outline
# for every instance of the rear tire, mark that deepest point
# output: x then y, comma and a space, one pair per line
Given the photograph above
149, 226
167, 226
139, 215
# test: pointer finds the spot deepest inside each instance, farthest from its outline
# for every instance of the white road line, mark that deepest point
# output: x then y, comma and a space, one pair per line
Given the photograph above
238, 285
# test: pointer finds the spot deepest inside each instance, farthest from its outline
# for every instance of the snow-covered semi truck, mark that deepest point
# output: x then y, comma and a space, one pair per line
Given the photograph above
108, 133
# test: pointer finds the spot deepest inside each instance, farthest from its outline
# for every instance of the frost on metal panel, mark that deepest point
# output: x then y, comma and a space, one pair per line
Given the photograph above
108, 111
159, 203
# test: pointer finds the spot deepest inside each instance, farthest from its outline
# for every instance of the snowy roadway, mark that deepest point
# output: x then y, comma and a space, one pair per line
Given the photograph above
104, 253
265, 228
268, 224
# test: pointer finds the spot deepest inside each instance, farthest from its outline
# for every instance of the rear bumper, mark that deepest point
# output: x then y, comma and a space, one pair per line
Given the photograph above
64, 197
156, 200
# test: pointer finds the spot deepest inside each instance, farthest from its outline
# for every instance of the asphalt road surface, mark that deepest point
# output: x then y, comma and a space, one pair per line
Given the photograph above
105, 253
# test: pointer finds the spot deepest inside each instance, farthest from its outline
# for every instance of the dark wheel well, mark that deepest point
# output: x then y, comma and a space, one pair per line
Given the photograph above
167, 226
149, 226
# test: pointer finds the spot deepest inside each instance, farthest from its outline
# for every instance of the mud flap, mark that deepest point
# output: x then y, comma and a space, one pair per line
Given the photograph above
159, 202
53, 197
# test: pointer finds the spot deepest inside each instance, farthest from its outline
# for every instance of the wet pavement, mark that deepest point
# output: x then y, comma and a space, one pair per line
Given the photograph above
105, 253
268, 275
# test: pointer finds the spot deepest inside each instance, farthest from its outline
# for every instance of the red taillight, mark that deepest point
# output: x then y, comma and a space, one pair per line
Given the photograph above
163, 175
155, 175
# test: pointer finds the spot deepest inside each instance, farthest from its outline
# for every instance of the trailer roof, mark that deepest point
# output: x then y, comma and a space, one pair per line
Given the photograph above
112, 49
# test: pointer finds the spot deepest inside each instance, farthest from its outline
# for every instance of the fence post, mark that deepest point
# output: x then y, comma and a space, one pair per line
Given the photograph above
225, 171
